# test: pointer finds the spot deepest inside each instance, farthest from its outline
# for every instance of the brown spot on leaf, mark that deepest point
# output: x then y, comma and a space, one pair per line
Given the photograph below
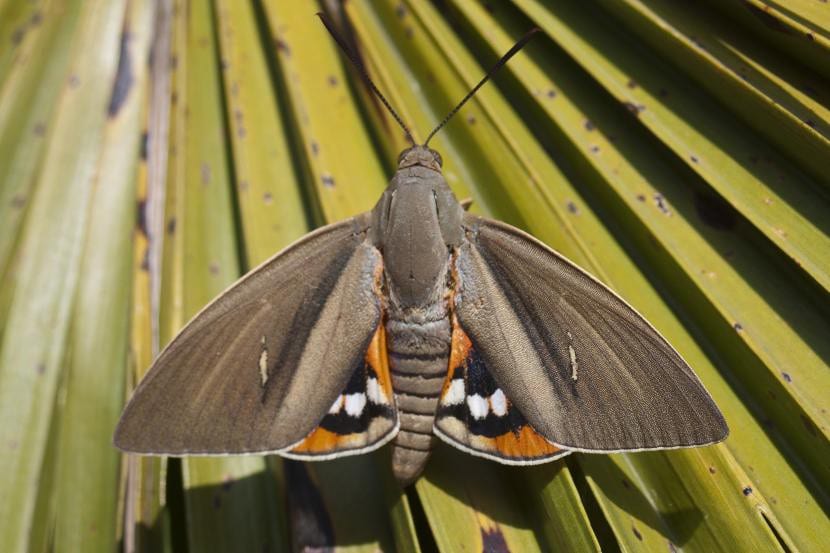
171, 225
661, 203
631, 84
712, 470
328, 181
589, 125
786, 376
267, 198
18, 201
315, 148
637, 533
572, 207
282, 46
39, 129
40, 368
747, 491
332, 80
213, 268
633, 108
738, 327
551, 93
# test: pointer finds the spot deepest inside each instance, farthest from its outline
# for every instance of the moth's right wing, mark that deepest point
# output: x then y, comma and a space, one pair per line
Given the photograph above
585, 369
260, 367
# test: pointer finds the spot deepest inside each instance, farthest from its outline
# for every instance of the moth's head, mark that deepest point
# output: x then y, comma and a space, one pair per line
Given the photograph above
420, 155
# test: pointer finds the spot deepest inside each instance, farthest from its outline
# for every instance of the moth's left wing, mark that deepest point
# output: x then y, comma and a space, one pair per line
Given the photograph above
258, 369
585, 369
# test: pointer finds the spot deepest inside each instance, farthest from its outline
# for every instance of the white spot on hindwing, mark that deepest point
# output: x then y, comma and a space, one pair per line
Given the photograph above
355, 404
375, 392
263, 363
498, 403
336, 406
455, 393
478, 406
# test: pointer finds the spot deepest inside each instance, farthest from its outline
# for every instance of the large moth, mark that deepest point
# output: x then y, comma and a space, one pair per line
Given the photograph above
413, 321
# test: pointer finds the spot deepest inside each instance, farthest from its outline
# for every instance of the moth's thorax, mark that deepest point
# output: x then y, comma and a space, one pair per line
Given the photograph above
416, 224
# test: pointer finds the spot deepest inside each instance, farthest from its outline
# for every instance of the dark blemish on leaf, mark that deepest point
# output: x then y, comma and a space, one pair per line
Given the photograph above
40, 368
408, 31
715, 211
661, 204
810, 37
36, 18
145, 145
282, 46
74, 81
39, 129
328, 181
631, 84
17, 35
243, 185
637, 533
738, 327
141, 217
594, 149
471, 119
493, 541
808, 424
694, 159
204, 171
551, 93
641, 197
747, 491
633, 108
239, 118
810, 123
786, 376
224, 64
267, 198
672, 547
174, 61
171, 225
174, 98
572, 207
626, 484
213, 268
332, 80
315, 148
712, 470
589, 125
18, 201
400, 11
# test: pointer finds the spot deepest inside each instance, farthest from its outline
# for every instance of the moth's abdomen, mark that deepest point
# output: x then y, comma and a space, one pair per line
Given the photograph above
419, 349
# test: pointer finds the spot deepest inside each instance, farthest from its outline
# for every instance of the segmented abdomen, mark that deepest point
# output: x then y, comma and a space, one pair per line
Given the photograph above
419, 349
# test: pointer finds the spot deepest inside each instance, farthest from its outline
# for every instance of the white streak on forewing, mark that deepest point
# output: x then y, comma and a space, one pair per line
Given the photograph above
498, 403
355, 404
455, 393
375, 392
263, 366
478, 406
336, 406
574, 364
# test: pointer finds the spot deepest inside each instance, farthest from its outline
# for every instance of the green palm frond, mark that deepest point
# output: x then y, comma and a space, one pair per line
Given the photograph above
153, 151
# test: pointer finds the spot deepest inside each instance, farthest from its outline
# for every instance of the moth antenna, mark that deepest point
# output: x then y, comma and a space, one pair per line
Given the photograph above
510, 53
362, 70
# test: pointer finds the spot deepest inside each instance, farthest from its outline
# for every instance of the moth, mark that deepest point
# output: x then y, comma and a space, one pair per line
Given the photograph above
411, 322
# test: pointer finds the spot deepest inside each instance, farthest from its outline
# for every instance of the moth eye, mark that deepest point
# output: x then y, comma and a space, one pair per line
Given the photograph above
438, 158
